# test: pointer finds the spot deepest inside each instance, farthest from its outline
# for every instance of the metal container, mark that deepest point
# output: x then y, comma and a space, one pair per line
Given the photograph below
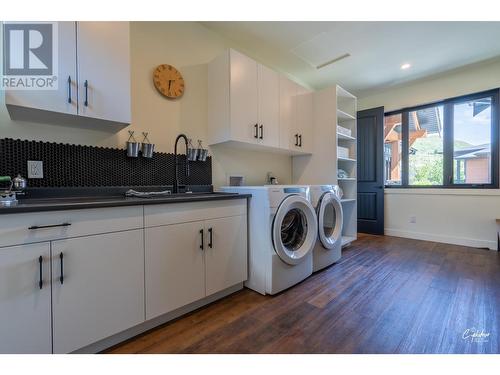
19, 183
192, 153
202, 152
148, 150
133, 149
132, 146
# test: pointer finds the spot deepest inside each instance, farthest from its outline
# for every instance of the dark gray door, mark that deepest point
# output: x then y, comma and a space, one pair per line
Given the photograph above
371, 171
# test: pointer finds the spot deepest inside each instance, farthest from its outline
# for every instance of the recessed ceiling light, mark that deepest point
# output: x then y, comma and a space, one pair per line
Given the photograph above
405, 66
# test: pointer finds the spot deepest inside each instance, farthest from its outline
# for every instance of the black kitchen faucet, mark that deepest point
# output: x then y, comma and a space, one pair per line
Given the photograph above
175, 188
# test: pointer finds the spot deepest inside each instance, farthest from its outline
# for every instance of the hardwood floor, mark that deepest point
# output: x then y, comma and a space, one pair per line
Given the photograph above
386, 295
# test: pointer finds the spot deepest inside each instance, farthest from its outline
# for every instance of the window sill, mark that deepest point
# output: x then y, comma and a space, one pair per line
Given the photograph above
443, 191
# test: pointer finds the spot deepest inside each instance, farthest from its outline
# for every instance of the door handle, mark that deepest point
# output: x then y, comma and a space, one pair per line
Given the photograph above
256, 134
40, 282
202, 246
61, 260
86, 85
261, 132
34, 227
210, 238
69, 89
300, 140
296, 139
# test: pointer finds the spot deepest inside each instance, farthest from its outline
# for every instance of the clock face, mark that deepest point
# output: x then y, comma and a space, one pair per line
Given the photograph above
168, 81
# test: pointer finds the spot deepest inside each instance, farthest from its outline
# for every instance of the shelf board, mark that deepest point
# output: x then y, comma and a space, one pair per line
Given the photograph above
342, 92
346, 159
344, 116
348, 200
347, 179
345, 137
346, 240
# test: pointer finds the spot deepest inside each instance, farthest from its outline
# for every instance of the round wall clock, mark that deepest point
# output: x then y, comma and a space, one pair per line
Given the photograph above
168, 81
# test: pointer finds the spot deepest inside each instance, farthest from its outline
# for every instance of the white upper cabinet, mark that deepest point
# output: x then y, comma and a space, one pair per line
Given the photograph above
64, 99
244, 98
269, 106
243, 101
296, 116
304, 123
93, 74
288, 112
104, 70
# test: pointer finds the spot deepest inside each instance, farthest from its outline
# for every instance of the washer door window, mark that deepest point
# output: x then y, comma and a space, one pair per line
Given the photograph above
294, 229
330, 219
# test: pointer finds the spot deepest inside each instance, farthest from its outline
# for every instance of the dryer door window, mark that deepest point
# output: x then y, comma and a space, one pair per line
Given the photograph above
294, 229
330, 219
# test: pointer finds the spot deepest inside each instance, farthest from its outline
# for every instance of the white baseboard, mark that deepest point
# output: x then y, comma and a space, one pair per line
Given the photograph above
471, 242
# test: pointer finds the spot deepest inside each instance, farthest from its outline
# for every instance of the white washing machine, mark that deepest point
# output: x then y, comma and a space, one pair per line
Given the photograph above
328, 207
282, 234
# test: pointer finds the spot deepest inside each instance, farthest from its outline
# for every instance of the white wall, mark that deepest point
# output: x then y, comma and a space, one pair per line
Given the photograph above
189, 46
465, 217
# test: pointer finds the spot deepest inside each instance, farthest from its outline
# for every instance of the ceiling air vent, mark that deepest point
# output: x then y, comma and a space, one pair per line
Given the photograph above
342, 57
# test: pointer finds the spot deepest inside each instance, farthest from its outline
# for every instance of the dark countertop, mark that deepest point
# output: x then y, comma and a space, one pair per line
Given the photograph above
76, 203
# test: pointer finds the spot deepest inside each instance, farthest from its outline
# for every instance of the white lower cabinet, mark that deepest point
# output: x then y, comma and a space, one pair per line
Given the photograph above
189, 261
225, 253
25, 303
102, 289
112, 269
175, 268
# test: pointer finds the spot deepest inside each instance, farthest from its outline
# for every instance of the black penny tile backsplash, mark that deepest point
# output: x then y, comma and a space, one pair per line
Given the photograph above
66, 165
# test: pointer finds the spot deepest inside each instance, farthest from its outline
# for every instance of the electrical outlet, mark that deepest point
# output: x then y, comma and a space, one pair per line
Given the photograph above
35, 169
413, 219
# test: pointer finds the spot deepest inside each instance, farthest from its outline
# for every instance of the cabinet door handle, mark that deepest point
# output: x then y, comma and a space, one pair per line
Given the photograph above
34, 227
86, 85
61, 259
69, 90
261, 132
300, 140
296, 139
256, 134
210, 238
40, 282
202, 245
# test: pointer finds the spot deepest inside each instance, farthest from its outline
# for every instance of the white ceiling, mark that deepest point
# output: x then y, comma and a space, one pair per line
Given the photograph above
377, 49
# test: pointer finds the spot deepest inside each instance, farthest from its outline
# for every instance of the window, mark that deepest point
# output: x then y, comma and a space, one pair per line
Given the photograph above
392, 149
472, 142
425, 154
452, 143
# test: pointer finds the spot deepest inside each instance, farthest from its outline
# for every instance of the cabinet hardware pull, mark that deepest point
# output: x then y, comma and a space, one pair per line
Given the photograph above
34, 227
261, 132
300, 140
40, 282
202, 245
69, 89
256, 127
296, 139
86, 85
210, 239
61, 277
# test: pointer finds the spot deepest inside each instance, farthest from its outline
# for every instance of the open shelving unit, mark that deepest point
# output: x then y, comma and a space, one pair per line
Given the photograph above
346, 138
